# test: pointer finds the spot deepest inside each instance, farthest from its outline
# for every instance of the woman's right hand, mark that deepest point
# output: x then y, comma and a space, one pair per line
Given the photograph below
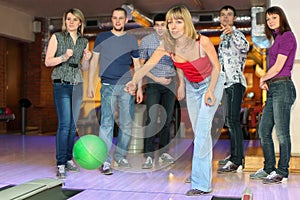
130, 87
68, 54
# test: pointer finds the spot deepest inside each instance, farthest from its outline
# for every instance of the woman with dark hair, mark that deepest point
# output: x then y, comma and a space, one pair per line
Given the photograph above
281, 95
68, 53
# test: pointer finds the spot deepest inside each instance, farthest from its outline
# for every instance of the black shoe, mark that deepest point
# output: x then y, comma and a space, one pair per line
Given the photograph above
195, 192
230, 167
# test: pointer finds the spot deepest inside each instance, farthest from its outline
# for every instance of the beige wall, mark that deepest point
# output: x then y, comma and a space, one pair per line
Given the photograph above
15, 24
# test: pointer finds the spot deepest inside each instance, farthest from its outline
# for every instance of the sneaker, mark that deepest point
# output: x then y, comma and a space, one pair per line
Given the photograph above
166, 158
106, 169
195, 192
122, 163
230, 167
148, 163
61, 171
260, 174
224, 161
70, 166
274, 178
188, 180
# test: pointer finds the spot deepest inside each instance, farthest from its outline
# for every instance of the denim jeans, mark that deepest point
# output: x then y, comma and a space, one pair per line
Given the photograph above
111, 97
201, 117
234, 97
277, 110
67, 100
164, 95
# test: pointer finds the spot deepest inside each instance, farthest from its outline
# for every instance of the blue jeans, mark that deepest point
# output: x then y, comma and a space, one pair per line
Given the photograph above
67, 100
201, 117
234, 97
163, 95
277, 110
111, 97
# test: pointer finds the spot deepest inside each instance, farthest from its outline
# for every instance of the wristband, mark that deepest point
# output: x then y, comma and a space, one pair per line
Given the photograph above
62, 58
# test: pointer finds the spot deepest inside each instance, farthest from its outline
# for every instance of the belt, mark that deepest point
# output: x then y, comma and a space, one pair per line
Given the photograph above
73, 65
65, 82
281, 78
69, 64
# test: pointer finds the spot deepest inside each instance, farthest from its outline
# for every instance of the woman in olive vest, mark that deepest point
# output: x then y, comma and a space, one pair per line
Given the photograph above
68, 53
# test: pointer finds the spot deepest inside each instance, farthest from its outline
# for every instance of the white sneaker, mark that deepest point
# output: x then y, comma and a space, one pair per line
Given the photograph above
106, 169
148, 163
274, 178
70, 166
61, 171
122, 163
166, 158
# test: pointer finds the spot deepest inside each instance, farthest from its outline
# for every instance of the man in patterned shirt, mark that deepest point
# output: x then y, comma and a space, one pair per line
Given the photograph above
233, 50
160, 92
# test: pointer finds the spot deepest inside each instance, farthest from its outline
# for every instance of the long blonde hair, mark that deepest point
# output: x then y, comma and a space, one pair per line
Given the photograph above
179, 12
76, 12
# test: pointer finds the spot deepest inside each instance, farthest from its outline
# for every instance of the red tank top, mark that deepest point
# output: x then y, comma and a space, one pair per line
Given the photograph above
197, 70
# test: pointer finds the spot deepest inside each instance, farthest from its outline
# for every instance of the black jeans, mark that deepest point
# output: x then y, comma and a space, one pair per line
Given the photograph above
159, 99
234, 97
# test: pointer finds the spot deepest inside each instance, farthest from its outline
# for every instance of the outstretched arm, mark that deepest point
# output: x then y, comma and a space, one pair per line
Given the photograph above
139, 74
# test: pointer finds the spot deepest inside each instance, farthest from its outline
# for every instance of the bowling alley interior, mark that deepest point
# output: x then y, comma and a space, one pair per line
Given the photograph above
28, 119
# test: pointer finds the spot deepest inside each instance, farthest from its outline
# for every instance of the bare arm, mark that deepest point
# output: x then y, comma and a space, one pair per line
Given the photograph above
138, 75
181, 86
139, 95
273, 71
86, 58
161, 80
50, 60
153, 60
276, 68
213, 57
92, 70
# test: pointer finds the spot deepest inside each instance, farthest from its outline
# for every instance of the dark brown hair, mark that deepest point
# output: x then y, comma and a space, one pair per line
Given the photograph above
283, 22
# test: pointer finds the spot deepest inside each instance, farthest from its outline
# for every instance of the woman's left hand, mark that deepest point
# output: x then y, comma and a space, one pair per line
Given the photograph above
87, 54
209, 98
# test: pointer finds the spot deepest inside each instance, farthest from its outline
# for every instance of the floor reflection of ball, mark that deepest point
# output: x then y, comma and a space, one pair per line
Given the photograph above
90, 152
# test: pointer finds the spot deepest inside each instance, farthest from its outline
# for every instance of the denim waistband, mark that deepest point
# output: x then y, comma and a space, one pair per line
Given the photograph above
197, 85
